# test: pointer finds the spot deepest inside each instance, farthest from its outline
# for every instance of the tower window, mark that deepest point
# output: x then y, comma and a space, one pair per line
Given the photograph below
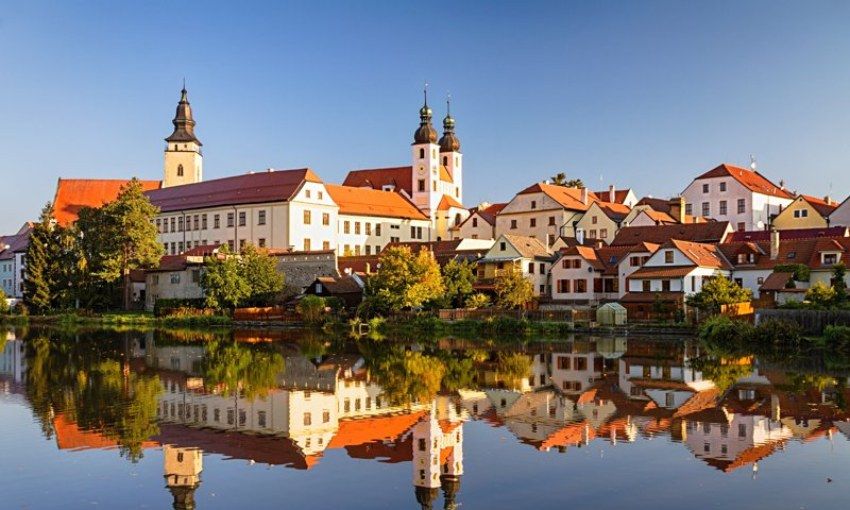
179, 170
421, 153
421, 185
445, 160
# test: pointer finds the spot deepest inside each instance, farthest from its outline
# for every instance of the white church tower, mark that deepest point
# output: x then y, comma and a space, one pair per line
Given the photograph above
184, 163
426, 163
450, 156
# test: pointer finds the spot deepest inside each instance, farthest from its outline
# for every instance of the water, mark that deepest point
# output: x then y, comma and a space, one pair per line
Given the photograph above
97, 419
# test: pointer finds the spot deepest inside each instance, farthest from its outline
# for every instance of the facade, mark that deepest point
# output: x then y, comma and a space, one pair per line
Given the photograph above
300, 268
177, 277
743, 197
586, 274
841, 215
13, 250
602, 220
480, 224
805, 212
544, 212
527, 254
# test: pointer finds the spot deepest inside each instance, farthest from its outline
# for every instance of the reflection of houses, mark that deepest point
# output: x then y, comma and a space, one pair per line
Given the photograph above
13, 364
438, 454
182, 470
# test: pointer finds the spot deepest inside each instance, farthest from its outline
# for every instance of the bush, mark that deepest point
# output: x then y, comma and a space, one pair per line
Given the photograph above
163, 307
837, 338
779, 333
311, 308
721, 329
478, 300
4, 305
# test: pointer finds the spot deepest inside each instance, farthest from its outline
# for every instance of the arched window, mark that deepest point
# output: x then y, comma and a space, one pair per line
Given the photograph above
179, 170
421, 153
445, 160
457, 219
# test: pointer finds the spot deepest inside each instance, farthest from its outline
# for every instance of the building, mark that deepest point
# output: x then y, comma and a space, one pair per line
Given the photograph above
841, 215
182, 469
625, 197
481, 223
743, 197
805, 212
183, 162
586, 274
603, 220
13, 250
348, 288
526, 254
545, 212
710, 232
177, 276
300, 268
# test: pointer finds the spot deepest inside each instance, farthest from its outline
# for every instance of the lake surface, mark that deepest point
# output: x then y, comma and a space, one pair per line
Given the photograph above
98, 419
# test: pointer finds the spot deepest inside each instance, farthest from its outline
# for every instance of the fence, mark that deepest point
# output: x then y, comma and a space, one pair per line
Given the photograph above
268, 313
737, 309
812, 322
456, 314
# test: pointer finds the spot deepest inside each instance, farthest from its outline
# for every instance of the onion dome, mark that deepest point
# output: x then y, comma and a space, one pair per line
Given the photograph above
426, 496
449, 142
184, 124
451, 486
426, 132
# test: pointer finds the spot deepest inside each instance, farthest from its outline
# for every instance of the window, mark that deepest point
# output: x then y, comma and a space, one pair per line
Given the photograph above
513, 224
230, 218
158, 226
261, 242
180, 224
421, 185
261, 217
705, 188
261, 418
634, 261
474, 222
242, 243
326, 245
179, 170
308, 419
378, 229
532, 222
801, 213
502, 246
216, 221
741, 226
742, 430
594, 220
196, 276
306, 244
742, 205
760, 280
433, 185
204, 221
830, 259
230, 245
175, 278
723, 208
421, 153
706, 209
196, 222
368, 250
668, 257
723, 186
591, 233
531, 268
307, 193
603, 233
646, 285
346, 227
580, 286
576, 263
665, 285
326, 219
689, 210
564, 286
534, 204
243, 218
326, 416
551, 220
307, 217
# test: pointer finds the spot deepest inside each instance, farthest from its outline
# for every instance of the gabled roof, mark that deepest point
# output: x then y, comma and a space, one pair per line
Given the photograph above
662, 272
344, 284
777, 281
528, 247
400, 177
569, 198
787, 235
701, 254
487, 214
372, 202
447, 202
251, 188
711, 232
17, 242
620, 195
604, 258
658, 204
616, 212
750, 179
820, 205
74, 194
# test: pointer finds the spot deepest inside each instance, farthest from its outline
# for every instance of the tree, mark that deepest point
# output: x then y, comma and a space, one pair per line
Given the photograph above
513, 289
38, 285
260, 272
311, 308
717, 291
4, 307
405, 280
560, 179
839, 283
90, 233
131, 242
478, 300
458, 277
821, 295
223, 281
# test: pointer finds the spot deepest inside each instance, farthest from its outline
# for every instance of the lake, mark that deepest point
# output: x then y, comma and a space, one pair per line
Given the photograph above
295, 419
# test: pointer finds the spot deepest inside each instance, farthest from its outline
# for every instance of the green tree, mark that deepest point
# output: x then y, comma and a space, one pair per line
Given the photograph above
821, 295
458, 277
90, 233
38, 284
223, 281
717, 291
513, 289
131, 242
311, 308
260, 271
4, 307
405, 280
839, 283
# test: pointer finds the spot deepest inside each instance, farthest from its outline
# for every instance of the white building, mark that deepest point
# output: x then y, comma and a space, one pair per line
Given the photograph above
13, 250
481, 223
743, 197
545, 212
526, 254
679, 267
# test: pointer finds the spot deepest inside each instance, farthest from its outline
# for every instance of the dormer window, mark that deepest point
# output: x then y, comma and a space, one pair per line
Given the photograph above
387, 187
829, 259
668, 257
801, 213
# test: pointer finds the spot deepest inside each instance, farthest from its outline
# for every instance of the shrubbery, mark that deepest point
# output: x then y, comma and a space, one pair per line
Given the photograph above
164, 307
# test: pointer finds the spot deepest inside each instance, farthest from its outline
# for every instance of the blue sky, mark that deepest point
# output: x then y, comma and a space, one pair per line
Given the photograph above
643, 94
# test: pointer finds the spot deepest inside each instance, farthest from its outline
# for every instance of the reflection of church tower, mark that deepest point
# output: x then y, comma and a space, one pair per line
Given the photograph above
451, 486
438, 454
182, 467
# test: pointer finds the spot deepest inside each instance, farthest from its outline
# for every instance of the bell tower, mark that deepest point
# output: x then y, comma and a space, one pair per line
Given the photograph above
426, 166
450, 156
184, 162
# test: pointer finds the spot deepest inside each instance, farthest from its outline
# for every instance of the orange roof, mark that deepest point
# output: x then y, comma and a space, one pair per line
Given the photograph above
823, 207
701, 254
69, 436
614, 210
74, 194
571, 434
662, 272
750, 179
445, 175
366, 430
569, 198
376, 178
446, 202
372, 202
620, 195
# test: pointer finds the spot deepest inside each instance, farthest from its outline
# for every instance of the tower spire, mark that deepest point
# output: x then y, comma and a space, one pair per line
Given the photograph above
184, 122
449, 141
426, 132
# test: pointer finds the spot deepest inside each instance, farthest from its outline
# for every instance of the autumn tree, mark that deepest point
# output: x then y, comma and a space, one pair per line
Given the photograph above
458, 278
820, 295
718, 291
513, 289
405, 280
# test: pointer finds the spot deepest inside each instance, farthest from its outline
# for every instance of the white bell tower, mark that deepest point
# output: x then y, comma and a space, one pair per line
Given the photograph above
184, 162
426, 168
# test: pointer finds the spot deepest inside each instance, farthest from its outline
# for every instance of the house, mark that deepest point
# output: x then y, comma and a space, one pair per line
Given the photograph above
805, 212
625, 197
301, 268
602, 220
675, 271
445, 251
780, 288
544, 212
587, 274
348, 288
527, 254
840, 216
653, 211
743, 197
481, 223
710, 232
177, 276
13, 250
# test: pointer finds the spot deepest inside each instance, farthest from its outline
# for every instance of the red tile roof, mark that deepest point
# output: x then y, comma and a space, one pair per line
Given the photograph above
701, 254
376, 178
776, 282
487, 214
662, 272
711, 232
74, 194
620, 195
823, 207
569, 198
750, 179
614, 211
366, 430
787, 235
371, 202
250, 188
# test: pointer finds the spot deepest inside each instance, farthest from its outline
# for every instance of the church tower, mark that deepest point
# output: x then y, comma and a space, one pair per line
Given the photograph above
450, 156
426, 168
184, 163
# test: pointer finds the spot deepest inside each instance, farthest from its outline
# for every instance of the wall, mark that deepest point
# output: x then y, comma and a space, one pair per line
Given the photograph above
476, 227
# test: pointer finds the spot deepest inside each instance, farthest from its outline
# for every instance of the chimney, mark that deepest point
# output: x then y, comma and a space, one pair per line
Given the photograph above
580, 236
584, 196
828, 200
612, 193
774, 243
677, 209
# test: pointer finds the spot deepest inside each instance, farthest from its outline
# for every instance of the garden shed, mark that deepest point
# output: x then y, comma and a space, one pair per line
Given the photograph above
611, 314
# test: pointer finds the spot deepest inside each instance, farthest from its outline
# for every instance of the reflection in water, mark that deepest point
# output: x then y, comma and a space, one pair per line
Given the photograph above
286, 403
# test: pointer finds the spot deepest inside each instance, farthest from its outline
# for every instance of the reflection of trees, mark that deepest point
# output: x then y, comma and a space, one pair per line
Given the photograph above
405, 376
723, 372
234, 368
84, 379
513, 368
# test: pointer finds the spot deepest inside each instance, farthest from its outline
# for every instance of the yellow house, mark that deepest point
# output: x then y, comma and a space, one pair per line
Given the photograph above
805, 212
602, 220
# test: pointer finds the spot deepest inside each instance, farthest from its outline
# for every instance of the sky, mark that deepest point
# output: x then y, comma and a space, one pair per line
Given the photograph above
644, 95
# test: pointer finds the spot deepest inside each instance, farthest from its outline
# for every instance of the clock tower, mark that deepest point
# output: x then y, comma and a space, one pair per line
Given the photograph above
426, 163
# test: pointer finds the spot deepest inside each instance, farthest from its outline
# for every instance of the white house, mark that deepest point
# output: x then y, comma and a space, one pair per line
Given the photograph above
743, 197
481, 223
841, 215
13, 249
527, 254
545, 212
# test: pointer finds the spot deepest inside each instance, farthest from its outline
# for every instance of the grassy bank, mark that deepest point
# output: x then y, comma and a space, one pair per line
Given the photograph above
135, 319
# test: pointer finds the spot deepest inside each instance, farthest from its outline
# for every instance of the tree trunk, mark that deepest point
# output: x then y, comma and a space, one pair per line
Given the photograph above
127, 290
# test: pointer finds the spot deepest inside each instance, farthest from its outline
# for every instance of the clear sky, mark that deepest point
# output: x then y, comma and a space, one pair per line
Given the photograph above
642, 94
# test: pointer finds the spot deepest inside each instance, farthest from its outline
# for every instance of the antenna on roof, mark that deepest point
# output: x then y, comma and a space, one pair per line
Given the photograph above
752, 163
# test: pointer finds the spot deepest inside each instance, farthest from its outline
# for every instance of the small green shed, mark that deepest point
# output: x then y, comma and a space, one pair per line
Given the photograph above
611, 314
